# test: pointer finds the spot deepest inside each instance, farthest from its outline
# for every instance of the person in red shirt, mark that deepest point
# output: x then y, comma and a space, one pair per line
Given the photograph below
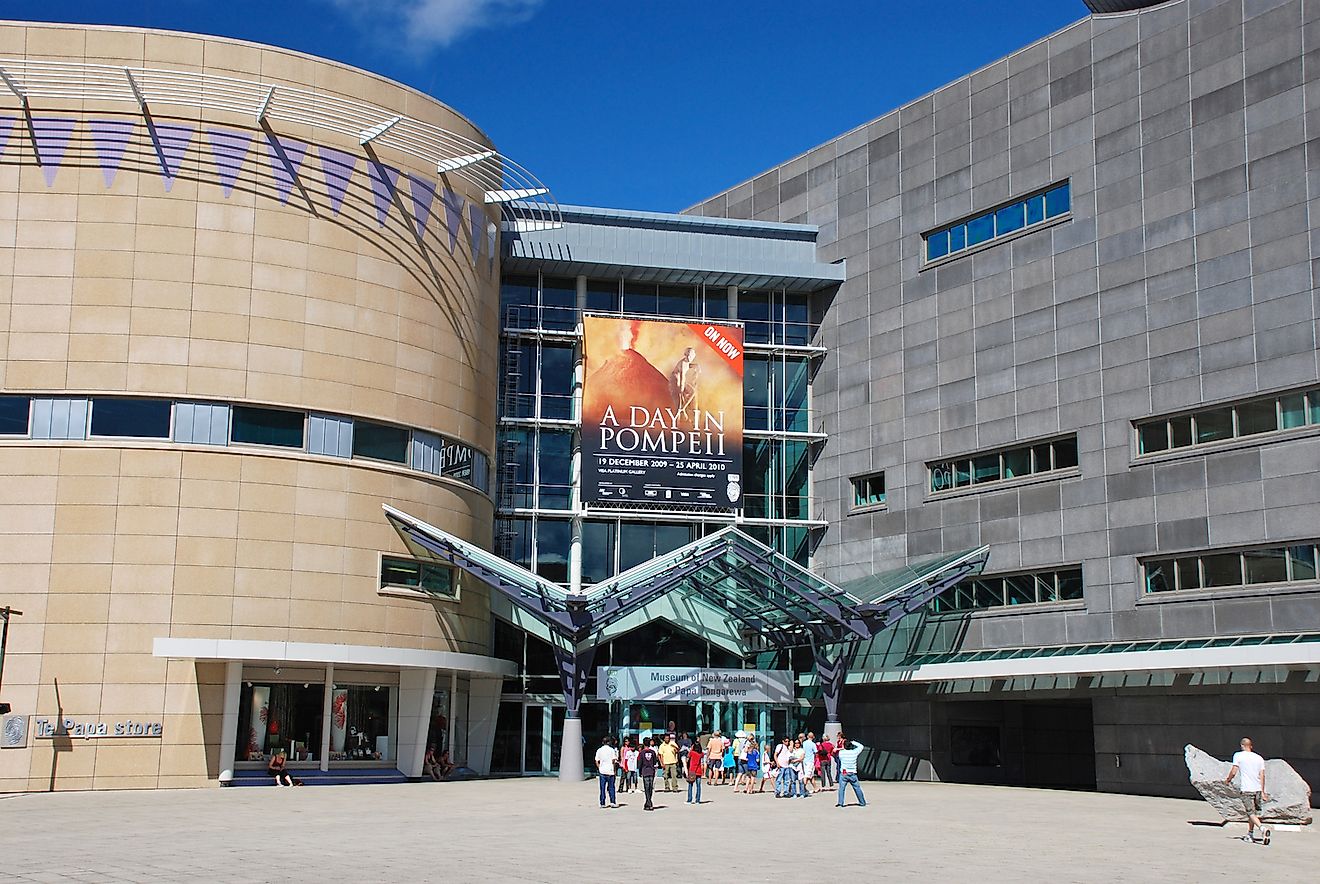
825, 754
695, 767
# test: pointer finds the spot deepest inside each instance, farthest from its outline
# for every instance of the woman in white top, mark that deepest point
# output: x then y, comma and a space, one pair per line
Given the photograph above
799, 767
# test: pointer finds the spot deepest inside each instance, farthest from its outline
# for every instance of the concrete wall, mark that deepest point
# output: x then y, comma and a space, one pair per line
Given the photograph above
189, 292
1184, 277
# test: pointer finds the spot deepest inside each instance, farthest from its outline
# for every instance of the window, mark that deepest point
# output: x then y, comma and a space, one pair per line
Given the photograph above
201, 423
1012, 463
868, 490
137, 418
775, 317
329, 434
267, 426
1265, 414
1022, 214
59, 418
380, 442
1007, 590
1212, 569
279, 716
429, 577
14, 415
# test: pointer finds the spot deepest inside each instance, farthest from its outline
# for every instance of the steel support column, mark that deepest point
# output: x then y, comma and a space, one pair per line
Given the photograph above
832, 671
574, 666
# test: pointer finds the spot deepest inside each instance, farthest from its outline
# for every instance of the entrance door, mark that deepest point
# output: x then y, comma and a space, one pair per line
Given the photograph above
1058, 745
535, 751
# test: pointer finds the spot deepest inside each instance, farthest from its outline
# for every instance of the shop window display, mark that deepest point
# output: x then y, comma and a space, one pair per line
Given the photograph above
279, 716
362, 723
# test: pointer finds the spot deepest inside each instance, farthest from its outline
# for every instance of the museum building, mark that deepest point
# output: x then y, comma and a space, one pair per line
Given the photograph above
987, 429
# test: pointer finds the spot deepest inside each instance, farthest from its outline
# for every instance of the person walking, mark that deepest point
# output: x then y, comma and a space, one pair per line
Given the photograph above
668, 752
727, 768
809, 760
1250, 768
694, 772
607, 763
628, 768
825, 761
848, 753
648, 760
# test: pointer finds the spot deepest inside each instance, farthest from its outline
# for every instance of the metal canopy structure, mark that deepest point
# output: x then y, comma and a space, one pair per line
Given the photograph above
779, 603
525, 202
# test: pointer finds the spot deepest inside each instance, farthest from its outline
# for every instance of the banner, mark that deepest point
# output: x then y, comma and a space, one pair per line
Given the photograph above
338, 719
688, 684
662, 412
257, 720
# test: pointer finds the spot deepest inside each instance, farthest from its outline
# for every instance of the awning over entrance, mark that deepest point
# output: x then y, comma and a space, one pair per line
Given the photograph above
779, 603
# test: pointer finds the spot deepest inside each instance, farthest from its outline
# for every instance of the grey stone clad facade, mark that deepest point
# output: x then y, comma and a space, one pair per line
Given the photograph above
1182, 278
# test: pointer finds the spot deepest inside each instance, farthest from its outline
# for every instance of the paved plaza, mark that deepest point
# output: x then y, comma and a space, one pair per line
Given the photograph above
538, 830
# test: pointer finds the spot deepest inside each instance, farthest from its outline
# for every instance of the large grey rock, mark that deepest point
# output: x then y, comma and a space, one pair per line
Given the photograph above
1289, 795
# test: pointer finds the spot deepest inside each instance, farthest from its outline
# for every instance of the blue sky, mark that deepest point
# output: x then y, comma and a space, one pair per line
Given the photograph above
644, 104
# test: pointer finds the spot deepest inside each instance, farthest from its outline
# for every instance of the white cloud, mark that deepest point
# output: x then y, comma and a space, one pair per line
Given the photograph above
429, 24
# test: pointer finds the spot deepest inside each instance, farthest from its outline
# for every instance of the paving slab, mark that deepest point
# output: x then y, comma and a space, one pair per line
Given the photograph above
539, 830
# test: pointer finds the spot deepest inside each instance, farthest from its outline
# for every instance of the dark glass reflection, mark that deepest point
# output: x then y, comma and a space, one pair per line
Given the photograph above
139, 418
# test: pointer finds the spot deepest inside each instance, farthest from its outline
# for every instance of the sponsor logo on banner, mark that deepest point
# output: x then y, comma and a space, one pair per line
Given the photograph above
662, 412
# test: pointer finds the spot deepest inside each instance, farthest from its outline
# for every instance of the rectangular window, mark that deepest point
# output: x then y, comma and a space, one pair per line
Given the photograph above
1264, 414
1249, 567
1058, 200
59, 418
133, 418
868, 490
432, 578
1005, 220
1011, 590
14, 412
1022, 588
1012, 463
330, 434
201, 423
267, 426
380, 442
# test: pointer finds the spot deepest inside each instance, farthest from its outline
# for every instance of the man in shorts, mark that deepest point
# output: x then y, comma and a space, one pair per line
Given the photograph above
1252, 786
714, 758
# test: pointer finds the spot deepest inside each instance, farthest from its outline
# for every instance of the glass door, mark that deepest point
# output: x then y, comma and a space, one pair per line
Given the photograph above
534, 734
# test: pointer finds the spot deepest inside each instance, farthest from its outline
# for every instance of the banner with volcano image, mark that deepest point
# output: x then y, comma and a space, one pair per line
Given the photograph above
662, 412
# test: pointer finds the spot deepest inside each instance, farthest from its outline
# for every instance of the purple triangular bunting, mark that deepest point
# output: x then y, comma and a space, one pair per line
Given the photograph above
338, 166
423, 195
6, 124
170, 141
229, 147
453, 215
384, 180
110, 138
286, 155
52, 137
478, 221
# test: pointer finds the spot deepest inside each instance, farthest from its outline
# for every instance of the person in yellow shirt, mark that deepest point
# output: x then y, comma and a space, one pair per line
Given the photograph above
669, 758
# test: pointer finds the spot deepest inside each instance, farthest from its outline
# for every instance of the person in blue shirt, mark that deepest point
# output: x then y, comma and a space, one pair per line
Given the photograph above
848, 753
753, 765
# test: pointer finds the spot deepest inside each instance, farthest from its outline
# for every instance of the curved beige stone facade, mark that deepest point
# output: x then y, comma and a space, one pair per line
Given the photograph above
165, 278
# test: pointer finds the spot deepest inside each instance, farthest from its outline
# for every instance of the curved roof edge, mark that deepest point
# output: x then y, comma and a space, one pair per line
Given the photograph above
239, 41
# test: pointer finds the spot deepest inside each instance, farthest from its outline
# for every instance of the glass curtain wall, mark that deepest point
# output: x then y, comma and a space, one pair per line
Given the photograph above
539, 320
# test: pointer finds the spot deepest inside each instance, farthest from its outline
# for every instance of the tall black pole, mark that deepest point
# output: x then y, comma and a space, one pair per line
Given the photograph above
5, 612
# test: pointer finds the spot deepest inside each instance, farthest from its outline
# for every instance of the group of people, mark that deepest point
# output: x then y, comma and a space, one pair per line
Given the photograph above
793, 767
